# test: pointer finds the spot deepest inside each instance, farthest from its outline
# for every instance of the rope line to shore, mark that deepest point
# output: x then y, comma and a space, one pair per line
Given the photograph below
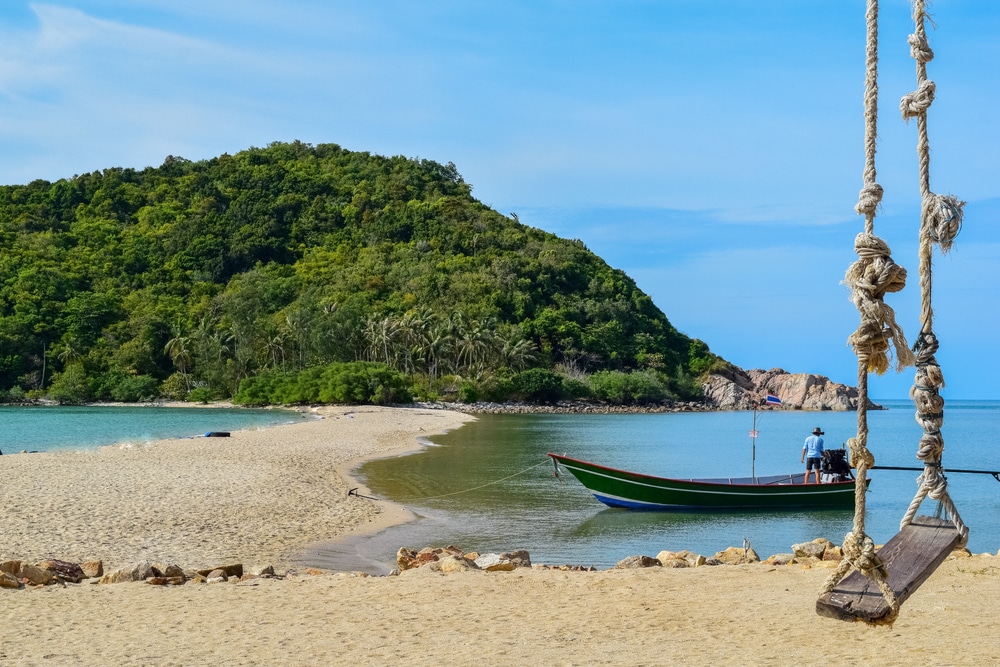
483, 486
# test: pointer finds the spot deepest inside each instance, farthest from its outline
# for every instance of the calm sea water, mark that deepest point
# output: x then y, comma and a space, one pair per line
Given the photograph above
488, 486
54, 428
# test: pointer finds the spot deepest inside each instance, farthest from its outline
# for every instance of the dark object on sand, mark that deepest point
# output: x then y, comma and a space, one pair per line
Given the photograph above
217, 434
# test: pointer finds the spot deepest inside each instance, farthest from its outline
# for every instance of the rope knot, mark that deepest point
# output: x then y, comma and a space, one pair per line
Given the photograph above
860, 551
869, 199
942, 216
920, 49
870, 278
919, 101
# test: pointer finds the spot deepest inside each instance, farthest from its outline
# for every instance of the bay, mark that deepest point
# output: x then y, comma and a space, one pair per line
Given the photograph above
490, 487
60, 428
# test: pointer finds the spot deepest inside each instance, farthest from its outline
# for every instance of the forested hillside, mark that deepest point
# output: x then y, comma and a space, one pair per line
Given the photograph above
296, 265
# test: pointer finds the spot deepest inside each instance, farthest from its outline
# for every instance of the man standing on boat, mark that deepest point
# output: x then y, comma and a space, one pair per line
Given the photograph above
812, 454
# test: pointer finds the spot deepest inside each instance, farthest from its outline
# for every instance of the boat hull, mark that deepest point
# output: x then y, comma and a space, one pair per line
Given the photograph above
630, 490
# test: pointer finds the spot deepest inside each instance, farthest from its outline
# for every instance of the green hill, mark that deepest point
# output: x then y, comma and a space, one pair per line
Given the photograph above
287, 262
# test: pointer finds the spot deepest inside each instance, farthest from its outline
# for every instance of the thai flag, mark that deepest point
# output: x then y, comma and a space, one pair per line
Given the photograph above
772, 399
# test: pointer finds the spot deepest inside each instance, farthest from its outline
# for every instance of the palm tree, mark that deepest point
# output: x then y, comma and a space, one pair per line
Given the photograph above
179, 350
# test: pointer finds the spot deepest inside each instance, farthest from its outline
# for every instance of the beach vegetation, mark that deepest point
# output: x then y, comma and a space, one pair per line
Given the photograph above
196, 279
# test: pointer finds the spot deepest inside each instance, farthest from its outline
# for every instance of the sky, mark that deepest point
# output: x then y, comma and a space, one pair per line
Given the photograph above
711, 149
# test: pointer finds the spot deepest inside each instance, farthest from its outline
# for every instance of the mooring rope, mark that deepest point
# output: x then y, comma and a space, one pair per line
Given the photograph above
455, 493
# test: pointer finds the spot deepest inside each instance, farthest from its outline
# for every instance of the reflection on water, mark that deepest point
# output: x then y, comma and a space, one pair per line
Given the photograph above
489, 486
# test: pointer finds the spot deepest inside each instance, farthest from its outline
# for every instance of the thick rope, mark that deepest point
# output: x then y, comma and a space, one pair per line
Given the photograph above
940, 222
870, 278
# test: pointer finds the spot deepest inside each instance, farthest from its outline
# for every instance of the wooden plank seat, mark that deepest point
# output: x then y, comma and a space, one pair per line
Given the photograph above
911, 555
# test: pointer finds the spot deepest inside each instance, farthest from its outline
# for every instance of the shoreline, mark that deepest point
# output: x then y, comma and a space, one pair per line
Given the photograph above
260, 497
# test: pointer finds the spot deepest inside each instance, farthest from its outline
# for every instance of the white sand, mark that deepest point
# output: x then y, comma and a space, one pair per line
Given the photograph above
262, 496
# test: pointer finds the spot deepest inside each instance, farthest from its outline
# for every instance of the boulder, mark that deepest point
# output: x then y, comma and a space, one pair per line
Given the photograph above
35, 575
451, 563
494, 563
10, 566
737, 556
636, 562
736, 389
692, 559
235, 570
519, 558
833, 553
93, 568
408, 559
64, 570
781, 559
8, 580
138, 572
814, 549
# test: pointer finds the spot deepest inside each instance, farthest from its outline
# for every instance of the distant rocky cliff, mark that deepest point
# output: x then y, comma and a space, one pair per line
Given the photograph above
737, 389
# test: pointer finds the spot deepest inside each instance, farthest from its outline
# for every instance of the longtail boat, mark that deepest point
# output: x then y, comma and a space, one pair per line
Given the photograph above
631, 490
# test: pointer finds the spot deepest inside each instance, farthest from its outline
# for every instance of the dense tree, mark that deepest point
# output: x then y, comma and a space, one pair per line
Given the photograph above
197, 276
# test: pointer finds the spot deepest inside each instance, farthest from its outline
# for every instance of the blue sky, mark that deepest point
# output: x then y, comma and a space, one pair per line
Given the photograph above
712, 149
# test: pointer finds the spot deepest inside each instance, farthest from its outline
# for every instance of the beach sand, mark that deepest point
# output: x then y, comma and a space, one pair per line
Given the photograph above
263, 497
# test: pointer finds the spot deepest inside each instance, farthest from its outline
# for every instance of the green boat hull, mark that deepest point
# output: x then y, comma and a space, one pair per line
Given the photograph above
620, 488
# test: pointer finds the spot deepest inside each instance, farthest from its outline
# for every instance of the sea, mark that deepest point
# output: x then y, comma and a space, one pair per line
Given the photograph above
60, 428
489, 486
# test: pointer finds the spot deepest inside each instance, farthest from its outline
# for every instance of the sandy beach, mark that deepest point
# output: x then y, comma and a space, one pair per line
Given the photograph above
263, 497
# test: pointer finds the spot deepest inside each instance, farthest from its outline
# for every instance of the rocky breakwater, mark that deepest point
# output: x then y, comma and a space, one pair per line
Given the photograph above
18, 574
737, 389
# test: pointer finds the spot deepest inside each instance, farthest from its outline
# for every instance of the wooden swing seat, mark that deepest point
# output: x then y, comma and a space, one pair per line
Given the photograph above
911, 555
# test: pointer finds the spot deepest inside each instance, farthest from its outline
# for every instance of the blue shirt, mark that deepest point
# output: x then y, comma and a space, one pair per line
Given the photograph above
813, 447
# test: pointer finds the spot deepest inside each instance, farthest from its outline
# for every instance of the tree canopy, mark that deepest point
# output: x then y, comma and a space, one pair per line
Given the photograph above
188, 278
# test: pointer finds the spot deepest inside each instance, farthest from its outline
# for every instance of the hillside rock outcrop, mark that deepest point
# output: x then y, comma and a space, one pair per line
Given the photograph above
737, 389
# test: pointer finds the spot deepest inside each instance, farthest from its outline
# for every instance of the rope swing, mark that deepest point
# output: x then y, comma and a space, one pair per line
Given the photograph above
923, 542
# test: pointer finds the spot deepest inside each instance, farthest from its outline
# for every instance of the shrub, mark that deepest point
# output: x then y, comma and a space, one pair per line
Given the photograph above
71, 386
133, 388
538, 385
637, 387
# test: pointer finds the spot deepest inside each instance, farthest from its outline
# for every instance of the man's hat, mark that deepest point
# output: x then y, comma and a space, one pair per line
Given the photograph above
816, 431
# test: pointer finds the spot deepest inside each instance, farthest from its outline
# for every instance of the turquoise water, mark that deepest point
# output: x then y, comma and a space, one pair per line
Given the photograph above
488, 486
54, 428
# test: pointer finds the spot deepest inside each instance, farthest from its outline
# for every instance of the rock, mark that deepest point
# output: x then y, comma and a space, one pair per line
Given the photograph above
812, 549
692, 559
736, 389
636, 562
215, 575
138, 572
451, 563
666, 555
10, 566
960, 552
64, 570
494, 563
833, 553
737, 556
408, 559
35, 575
8, 580
675, 563
781, 559
229, 570
267, 571
93, 568
519, 558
